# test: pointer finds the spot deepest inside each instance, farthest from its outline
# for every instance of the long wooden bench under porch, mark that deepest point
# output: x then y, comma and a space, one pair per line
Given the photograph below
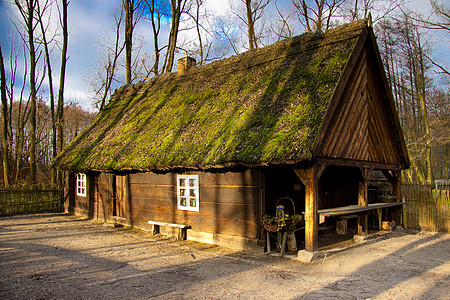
353, 210
182, 229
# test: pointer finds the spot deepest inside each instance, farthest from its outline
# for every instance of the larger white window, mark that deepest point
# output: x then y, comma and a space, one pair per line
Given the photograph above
81, 185
187, 191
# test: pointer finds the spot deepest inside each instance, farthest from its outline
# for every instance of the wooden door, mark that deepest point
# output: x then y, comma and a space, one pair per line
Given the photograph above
120, 196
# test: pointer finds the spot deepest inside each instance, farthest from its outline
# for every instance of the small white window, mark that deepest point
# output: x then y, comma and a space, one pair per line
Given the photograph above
187, 192
81, 185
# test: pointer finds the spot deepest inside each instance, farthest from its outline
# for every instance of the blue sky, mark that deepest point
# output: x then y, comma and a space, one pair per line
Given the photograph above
90, 20
87, 21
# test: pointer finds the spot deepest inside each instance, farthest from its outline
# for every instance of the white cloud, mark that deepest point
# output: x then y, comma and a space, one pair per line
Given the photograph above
219, 7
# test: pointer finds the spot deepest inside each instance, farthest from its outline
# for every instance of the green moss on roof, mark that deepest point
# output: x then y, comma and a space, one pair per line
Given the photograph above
258, 108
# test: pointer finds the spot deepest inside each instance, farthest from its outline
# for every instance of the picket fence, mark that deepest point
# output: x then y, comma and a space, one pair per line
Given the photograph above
426, 207
20, 201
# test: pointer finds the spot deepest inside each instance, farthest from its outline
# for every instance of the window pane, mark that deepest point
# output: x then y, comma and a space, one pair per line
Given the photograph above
182, 182
192, 202
191, 182
182, 192
192, 193
183, 201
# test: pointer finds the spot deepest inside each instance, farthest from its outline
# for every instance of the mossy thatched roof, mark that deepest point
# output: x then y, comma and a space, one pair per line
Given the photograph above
258, 108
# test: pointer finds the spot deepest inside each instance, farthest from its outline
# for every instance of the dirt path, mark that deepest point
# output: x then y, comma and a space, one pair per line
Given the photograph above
67, 257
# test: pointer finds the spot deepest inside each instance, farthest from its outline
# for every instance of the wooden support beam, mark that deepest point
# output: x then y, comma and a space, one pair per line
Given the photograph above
363, 201
302, 175
394, 180
320, 170
310, 179
262, 202
366, 173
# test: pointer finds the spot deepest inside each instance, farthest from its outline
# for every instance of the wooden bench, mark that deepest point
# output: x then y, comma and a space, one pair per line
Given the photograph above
351, 210
182, 229
341, 224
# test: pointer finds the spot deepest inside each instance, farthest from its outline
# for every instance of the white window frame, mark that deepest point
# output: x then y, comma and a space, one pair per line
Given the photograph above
191, 192
81, 185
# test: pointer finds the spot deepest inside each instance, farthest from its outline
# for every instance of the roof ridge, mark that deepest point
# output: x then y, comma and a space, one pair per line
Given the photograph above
251, 54
293, 41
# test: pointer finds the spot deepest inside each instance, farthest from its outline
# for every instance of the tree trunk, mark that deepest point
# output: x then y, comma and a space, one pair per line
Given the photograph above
197, 24
60, 108
5, 144
177, 9
155, 17
251, 25
52, 96
423, 106
129, 10
32, 148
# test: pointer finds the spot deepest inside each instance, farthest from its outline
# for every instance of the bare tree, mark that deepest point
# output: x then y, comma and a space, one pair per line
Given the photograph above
178, 7
316, 15
131, 18
404, 50
5, 144
225, 31
439, 20
156, 10
360, 9
196, 17
62, 78
107, 69
254, 10
284, 26
44, 29
27, 10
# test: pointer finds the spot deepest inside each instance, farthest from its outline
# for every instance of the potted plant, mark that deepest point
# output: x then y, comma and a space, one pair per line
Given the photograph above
270, 223
287, 222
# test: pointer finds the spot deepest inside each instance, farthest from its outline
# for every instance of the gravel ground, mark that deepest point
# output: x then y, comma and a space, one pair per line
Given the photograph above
56, 256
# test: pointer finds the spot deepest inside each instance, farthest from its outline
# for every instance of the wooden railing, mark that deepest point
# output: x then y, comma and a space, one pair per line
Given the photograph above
19, 201
427, 208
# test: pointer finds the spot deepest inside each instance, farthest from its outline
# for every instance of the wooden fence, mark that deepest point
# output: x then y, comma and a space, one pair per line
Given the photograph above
426, 208
21, 201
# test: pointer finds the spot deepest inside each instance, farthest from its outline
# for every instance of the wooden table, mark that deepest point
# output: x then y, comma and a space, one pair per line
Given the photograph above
352, 209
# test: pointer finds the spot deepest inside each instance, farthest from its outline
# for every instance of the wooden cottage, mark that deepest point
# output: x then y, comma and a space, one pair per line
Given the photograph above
214, 147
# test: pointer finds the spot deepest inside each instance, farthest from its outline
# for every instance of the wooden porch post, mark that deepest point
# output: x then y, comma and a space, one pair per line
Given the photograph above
395, 180
310, 179
363, 200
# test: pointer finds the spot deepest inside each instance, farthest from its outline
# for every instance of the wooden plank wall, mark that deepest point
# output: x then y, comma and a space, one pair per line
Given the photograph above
98, 201
228, 202
346, 135
103, 205
383, 146
362, 127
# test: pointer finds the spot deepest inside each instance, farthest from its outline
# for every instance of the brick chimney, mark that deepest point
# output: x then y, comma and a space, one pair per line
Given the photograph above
183, 64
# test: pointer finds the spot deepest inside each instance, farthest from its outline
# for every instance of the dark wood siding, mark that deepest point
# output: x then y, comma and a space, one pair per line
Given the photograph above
383, 144
228, 202
346, 136
100, 199
362, 127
